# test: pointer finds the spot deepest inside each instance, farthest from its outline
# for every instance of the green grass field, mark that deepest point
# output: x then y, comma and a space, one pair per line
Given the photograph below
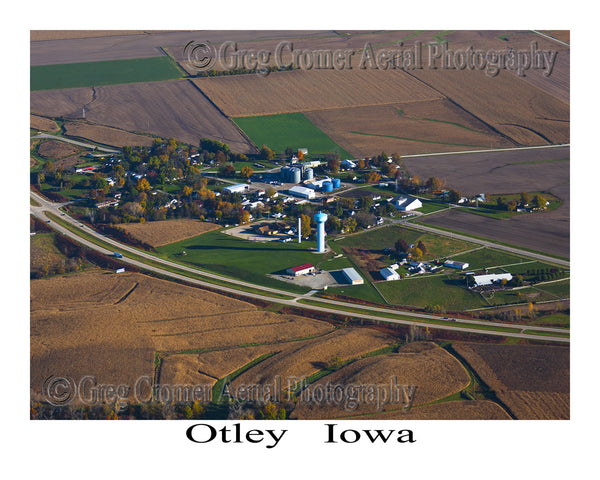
112, 72
425, 290
288, 130
382, 238
242, 259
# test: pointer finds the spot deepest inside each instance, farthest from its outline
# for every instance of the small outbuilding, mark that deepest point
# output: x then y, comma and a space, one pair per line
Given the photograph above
300, 270
389, 274
455, 264
352, 276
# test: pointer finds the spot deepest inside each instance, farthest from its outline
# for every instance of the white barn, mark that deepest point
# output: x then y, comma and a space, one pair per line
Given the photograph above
389, 274
406, 203
490, 279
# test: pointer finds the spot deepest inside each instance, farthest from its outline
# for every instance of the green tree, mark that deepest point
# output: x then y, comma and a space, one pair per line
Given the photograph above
401, 246
453, 196
220, 157
397, 159
142, 185
434, 184
334, 224
333, 162
247, 172
304, 225
267, 154
539, 201
227, 170
372, 177
349, 224
366, 203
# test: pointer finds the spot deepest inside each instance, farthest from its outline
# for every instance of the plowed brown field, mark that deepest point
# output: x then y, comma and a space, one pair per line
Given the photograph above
166, 109
531, 380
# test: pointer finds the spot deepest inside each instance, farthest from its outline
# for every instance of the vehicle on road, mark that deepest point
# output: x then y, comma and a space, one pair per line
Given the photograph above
117, 255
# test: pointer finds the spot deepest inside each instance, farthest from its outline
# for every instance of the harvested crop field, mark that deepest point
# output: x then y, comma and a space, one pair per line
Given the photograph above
435, 373
547, 232
514, 107
533, 381
42, 124
45, 35
407, 128
299, 360
305, 90
221, 363
55, 149
505, 172
163, 232
500, 172
43, 251
166, 109
456, 410
106, 135
110, 325
129, 44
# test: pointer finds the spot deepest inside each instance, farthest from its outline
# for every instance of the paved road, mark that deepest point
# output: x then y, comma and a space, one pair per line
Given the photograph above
485, 243
493, 150
74, 142
47, 206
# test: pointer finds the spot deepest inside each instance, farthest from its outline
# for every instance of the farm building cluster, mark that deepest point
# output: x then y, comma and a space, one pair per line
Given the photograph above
345, 276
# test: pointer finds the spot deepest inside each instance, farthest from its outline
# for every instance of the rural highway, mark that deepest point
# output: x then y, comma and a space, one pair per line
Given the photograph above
45, 206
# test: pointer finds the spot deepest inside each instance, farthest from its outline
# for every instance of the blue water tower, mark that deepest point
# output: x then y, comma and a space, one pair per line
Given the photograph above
320, 218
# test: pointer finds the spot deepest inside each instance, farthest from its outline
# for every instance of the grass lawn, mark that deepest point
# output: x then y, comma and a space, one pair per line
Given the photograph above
288, 130
111, 72
382, 238
561, 319
242, 259
488, 258
431, 290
